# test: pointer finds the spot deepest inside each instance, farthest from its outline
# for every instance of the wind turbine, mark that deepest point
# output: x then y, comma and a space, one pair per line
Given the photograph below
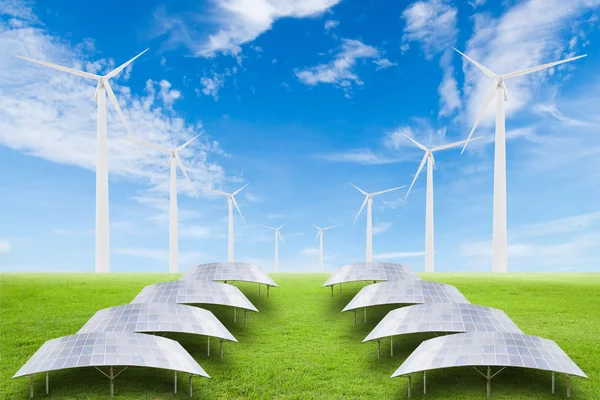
320, 234
499, 216
102, 222
369, 201
277, 237
173, 227
429, 195
231, 201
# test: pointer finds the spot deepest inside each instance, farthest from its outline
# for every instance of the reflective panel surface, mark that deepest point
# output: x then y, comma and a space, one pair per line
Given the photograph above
229, 271
443, 317
194, 292
489, 349
405, 292
157, 317
370, 271
111, 349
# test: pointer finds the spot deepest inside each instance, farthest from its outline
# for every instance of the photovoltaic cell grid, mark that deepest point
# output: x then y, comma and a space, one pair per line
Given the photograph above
229, 271
489, 349
111, 349
405, 292
157, 317
194, 292
444, 317
370, 271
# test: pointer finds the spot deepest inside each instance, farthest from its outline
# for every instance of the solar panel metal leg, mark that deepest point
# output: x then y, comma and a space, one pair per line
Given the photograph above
190, 386
340, 289
31, 386
234, 315
221, 349
409, 386
378, 348
245, 312
47, 383
354, 317
553, 379
259, 290
332, 291
175, 381
268, 287
424, 382
392, 346
489, 382
112, 382
568, 385
365, 315
208, 348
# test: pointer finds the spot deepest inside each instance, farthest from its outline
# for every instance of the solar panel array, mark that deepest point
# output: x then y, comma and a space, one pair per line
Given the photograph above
490, 349
444, 317
110, 349
370, 271
229, 271
194, 292
157, 317
405, 292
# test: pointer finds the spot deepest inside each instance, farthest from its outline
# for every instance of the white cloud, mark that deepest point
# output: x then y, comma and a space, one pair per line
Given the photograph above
310, 252
423, 131
236, 22
52, 115
330, 24
383, 63
212, 86
551, 109
561, 225
185, 257
4, 247
405, 254
381, 227
340, 71
359, 156
253, 198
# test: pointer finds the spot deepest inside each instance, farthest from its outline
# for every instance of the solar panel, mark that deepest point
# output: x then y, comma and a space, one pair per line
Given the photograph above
405, 292
489, 349
229, 271
442, 317
194, 292
370, 271
157, 317
99, 349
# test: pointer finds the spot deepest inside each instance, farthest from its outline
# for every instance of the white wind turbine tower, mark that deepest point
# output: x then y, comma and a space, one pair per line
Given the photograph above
369, 201
499, 217
429, 195
102, 222
173, 227
231, 202
277, 237
320, 234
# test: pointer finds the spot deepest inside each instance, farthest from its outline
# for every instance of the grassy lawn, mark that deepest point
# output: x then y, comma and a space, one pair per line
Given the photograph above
300, 346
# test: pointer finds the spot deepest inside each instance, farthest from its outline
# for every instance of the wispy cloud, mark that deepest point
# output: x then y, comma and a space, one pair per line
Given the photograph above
4, 247
405, 254
185, 257
359, 156
381, 227
252, 198
330, 24
340, 71
235, 22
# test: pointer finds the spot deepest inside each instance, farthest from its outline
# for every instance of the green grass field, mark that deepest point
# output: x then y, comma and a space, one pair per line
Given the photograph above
300, 346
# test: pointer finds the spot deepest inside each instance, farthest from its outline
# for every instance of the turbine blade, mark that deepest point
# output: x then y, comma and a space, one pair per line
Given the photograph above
316, 237
486, 103
216, 191
505, 92
481, 67
119, 69
115, 103
387, 190
238, 209
539, 68
360, 190
96, 92
455, 144
332, 226
148, 144
281, 227
268, 227
186, 143
61, 68
239, 190
279, 234
361, 208
185, 173
419, 145
417, 174
316, 226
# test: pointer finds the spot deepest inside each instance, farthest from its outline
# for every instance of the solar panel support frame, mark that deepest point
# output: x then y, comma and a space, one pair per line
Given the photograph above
569, 386
47, 383
392, 346
31, 386
424, 382
221, 349
553, 378
208, 347
409, 385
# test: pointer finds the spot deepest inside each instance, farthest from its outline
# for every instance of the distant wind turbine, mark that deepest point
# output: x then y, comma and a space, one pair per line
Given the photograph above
499, 217
102, 221
429, 195
320, 234
231, 202
277, 237
173, 227
369, 201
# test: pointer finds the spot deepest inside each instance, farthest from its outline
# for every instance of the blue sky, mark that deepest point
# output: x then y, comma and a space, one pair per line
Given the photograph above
298, 100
